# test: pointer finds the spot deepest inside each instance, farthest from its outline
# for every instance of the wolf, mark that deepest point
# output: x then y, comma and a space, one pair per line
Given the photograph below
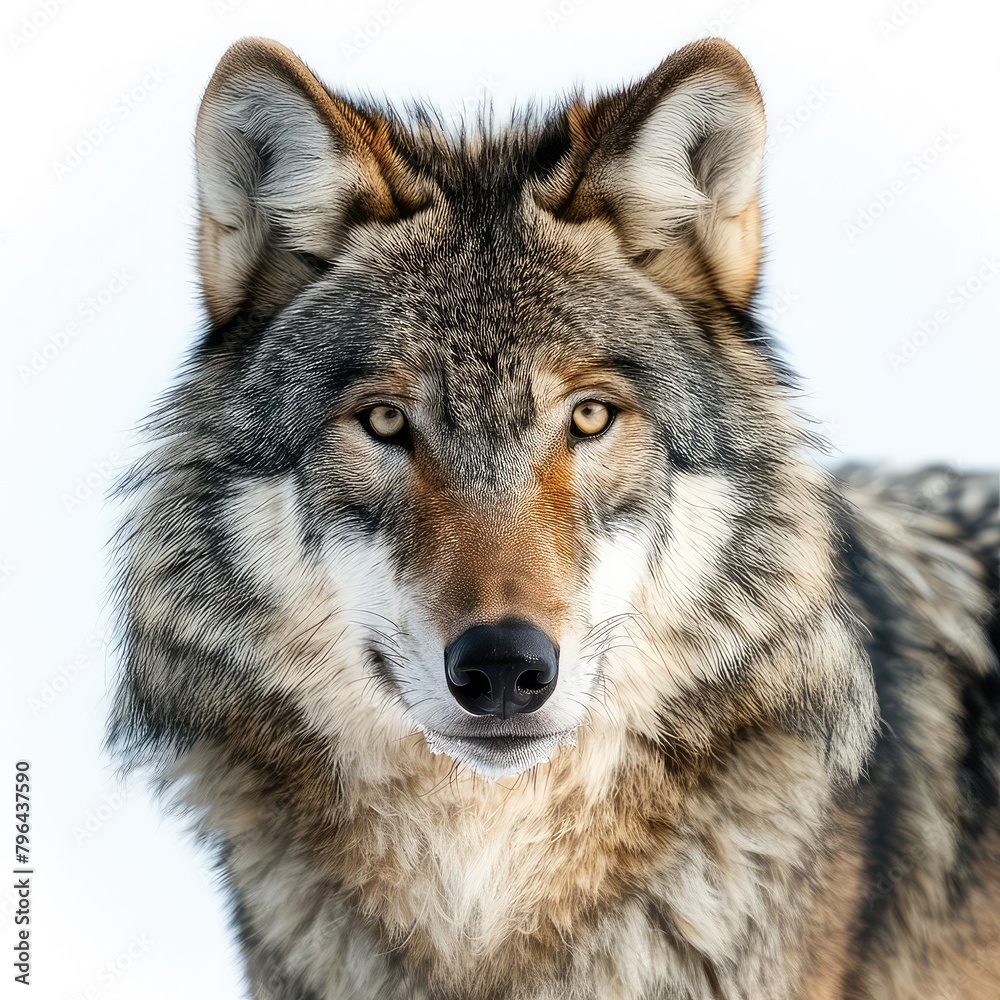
484, 607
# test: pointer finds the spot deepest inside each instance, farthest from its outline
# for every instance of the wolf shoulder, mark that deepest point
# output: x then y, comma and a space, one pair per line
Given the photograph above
920, 554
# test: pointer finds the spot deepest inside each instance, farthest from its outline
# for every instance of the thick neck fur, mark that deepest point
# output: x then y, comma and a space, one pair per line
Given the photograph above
441, 885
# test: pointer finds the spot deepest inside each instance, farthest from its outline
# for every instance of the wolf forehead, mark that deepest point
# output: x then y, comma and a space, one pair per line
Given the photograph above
488, 351
477, 304
480, 277
447, 314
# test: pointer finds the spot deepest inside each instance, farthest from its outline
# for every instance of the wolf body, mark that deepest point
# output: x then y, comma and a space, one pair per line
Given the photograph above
508, 384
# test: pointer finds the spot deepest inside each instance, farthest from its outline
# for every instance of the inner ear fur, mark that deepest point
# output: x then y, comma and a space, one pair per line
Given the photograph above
673, 162
284, 169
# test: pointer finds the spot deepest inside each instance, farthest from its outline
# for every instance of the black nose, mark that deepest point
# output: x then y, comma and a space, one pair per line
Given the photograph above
502, 669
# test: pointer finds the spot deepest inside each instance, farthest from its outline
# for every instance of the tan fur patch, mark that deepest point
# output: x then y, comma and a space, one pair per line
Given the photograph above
484, 563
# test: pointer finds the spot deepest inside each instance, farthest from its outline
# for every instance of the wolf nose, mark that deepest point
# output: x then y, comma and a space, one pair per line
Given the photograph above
502, 669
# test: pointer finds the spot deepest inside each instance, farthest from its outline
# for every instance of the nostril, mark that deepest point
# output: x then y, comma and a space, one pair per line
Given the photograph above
473, 683
533, 681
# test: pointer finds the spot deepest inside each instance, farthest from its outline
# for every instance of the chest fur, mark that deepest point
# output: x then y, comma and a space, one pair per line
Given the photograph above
641, 891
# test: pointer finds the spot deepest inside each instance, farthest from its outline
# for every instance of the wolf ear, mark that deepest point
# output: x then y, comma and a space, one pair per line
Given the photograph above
674, 162
284, 169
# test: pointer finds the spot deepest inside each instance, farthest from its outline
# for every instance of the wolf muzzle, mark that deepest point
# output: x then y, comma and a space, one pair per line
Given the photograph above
502, 669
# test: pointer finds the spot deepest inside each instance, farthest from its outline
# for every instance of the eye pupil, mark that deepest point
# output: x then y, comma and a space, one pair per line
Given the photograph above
591, 418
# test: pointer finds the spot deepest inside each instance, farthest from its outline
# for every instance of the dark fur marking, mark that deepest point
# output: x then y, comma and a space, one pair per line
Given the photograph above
263, 965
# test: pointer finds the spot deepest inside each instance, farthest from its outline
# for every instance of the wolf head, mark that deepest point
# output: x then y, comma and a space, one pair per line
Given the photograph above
482, 454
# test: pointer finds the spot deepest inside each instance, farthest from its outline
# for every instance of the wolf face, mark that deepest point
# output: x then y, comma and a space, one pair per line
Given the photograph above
468, 409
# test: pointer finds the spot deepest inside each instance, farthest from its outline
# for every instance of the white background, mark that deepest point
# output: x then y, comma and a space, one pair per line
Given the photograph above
857, 93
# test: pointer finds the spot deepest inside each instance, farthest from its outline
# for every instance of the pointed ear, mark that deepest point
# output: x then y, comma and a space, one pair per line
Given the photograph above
674, 162
285, 168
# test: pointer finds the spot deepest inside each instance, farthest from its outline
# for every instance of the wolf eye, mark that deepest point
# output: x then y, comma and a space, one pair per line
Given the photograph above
384, 421
591, 418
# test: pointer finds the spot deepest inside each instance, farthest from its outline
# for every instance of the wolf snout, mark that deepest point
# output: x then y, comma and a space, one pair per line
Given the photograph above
504, 668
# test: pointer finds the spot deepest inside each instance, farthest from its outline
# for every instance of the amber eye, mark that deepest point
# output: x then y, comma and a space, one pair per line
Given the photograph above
591, 418
385, 421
